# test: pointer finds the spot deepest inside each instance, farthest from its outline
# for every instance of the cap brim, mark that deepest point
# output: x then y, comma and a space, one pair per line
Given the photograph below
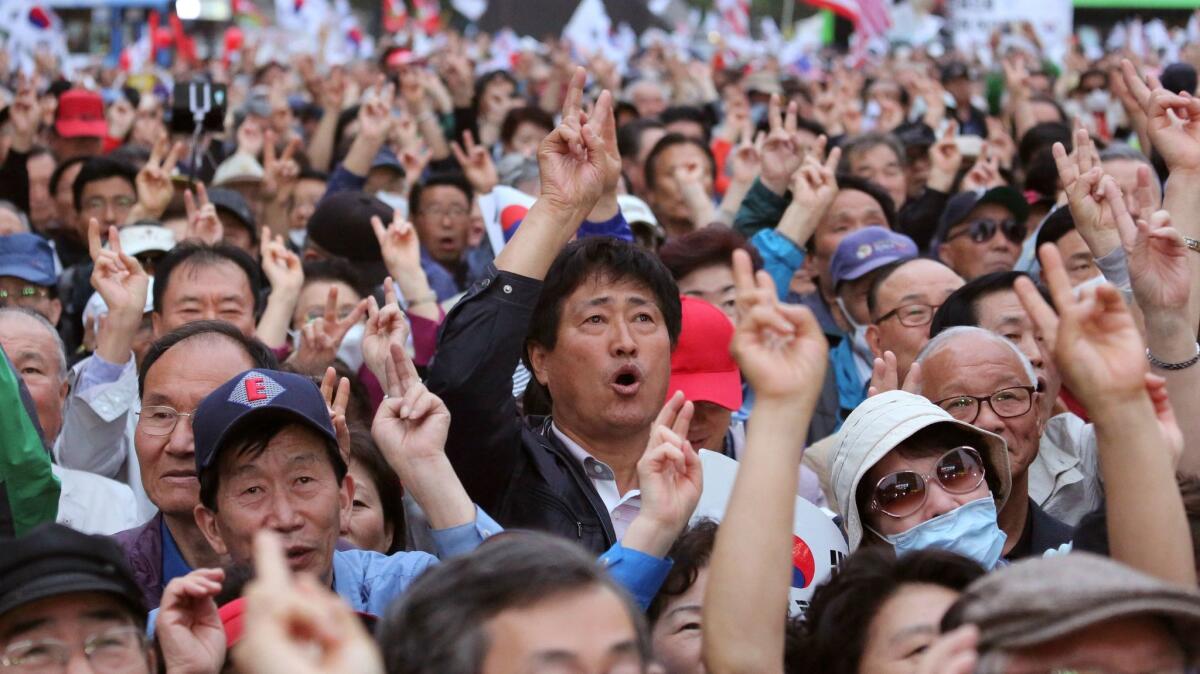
871, 266
1181, 612
719, 388
58, 584
72, 128
1009, 199
256, 414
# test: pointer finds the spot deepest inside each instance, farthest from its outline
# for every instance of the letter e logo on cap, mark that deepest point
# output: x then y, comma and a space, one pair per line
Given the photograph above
255, 390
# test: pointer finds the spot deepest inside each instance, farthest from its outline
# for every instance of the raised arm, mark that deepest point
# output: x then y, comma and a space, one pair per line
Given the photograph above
1100, 354
782, 353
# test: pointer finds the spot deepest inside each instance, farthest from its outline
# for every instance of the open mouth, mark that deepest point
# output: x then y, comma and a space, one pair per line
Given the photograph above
297, 555
627, 380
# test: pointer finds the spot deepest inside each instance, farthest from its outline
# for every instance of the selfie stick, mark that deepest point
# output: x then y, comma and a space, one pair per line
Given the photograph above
199, 103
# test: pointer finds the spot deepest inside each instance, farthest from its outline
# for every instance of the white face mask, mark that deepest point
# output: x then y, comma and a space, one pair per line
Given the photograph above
1096, 100
858, 332
350, 352
397, 202
298, 237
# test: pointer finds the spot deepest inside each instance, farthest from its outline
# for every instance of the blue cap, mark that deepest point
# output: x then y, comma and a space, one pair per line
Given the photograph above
385, 158
866, 250
251, 395
29, 258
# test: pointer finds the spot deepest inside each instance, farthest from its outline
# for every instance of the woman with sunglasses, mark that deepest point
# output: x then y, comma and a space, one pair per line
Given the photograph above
905, 473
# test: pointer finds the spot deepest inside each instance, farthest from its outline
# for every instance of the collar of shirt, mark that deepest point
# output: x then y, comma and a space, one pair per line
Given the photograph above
173, 563
601, 475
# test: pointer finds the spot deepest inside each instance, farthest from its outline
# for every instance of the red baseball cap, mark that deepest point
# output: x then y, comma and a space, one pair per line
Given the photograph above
702, 365
80, 114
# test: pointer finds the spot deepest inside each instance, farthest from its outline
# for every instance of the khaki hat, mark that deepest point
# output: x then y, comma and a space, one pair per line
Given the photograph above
878, 426
1041, 599
238, 168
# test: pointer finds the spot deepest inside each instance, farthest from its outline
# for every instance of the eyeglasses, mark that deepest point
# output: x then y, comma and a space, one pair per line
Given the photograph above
1006, 403
455, 212
912, 315
121, 203
160, 419
984, 229
23, 296
115, 650
958, 471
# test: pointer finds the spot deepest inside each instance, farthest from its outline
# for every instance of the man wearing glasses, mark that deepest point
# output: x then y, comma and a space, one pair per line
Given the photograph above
981, 231
901, 303
982, 379
27, 277
66, 599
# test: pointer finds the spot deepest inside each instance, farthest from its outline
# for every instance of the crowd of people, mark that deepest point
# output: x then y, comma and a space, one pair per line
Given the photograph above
412, 366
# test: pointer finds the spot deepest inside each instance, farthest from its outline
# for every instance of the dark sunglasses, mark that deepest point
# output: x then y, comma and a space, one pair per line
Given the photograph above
984, 229
958, 471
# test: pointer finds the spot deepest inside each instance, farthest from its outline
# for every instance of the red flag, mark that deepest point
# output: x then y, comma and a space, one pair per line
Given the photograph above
429, 15
395, 15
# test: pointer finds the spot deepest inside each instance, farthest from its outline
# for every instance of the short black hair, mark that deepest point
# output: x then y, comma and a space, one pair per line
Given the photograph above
439, 625
688, 113
845, 181
1043, 135
667, 142
334, 269
61, 169
260, 354
204, 255
608, 258
1057, 224
961, 307
101, 168
691, 553
869, 141
251, 440
708, 246
629, 136
527, 114
836, 624
444, 179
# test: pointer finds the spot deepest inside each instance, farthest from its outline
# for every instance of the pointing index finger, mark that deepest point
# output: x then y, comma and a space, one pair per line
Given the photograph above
573, 103
94, 244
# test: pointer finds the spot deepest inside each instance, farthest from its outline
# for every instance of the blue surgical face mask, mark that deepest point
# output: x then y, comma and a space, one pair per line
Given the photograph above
758, 112
969, 530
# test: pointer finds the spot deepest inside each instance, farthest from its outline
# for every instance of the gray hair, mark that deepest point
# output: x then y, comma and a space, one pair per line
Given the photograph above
7, 312
6, 205
944, 338
1123, 152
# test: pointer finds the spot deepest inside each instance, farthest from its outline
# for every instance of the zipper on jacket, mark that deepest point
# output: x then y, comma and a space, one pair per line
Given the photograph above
579, 529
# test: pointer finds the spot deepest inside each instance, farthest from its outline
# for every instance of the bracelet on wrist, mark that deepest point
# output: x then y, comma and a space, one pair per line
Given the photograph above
1162, 365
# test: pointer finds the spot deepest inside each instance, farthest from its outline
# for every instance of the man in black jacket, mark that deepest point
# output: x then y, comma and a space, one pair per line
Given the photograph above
595, 324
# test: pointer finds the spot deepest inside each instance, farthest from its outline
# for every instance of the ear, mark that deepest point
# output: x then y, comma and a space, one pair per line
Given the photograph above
346, 502
55, 311
63, 391
873, 340
538, 361
206, 520
156, 326
946, 254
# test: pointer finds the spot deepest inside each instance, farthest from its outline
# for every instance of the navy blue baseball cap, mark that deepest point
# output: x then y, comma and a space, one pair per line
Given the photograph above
863, 251
29, 258
253, 395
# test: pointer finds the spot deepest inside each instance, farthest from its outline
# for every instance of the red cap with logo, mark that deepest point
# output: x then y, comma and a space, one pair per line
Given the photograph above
80, 114
702, 366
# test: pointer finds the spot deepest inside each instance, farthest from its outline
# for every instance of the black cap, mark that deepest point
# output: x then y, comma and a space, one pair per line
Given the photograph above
233, 203
961, 205
955, 70
53, 560
1179, 77
341, 226
915, 134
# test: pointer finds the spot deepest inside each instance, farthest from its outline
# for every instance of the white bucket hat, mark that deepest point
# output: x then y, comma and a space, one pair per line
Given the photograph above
875, 428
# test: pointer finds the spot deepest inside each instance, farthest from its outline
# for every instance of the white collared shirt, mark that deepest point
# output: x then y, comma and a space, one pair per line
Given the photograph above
622, 508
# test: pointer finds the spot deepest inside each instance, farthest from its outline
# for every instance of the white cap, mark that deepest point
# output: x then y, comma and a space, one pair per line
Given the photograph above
637, 211
876, 427
239, 167
138, 239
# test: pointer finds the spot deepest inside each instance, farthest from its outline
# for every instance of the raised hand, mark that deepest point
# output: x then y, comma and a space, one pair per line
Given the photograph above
984, 174
385, 326
293, 625
1156, 254
281, 174
1173, 123
24, 117
999, 143
578, 161
281, 266
1134, 94
885, 376
476, 163
375, 114
117, 277
412, 423
783, 149
814, 187
154, 185
669, 478
746, 159
321, 338
1080, 174
336, 393
778, 347
202, 221
399, 244
1097, 346
188, 628
414, 159
951, 653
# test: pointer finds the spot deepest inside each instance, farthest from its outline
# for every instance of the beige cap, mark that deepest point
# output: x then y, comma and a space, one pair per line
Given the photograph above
875, 428
238, 168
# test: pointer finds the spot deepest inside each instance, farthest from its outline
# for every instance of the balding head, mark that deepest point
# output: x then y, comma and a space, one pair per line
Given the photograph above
37, 354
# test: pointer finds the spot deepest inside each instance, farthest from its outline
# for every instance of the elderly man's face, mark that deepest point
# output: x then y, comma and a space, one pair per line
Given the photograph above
916, 289
973, 365
218, 292
16, 291
444, 223
290, 488
609, 370
36, 356
1121, 646
1002, 313
179, 380
73, 619
971, 258
585, 631
851, 211
880, 164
